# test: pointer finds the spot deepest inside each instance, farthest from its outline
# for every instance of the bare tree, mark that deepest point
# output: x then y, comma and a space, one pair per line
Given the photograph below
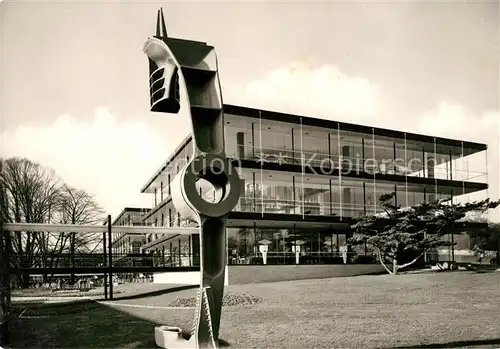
32, 194
79, 207
4, 269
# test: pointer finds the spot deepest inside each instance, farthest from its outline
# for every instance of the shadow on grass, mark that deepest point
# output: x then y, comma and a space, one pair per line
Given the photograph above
87, 324
155, 293
457, 344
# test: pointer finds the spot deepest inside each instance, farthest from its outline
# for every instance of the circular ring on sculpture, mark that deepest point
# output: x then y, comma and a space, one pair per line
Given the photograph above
221, 174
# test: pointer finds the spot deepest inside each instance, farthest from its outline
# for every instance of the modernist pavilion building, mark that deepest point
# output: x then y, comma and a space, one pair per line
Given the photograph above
302, 181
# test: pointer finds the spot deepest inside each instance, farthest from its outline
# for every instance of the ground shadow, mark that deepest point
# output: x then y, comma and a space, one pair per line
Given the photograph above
457, 344
222, 342
53, 326
87, 324
154, 293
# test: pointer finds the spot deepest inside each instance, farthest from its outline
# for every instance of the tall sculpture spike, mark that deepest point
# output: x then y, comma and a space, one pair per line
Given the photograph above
161, 28
158, 24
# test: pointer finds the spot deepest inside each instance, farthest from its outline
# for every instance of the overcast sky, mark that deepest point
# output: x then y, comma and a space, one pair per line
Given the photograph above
75, 80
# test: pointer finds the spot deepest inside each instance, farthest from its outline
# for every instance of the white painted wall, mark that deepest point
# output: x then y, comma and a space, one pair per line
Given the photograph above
183, 278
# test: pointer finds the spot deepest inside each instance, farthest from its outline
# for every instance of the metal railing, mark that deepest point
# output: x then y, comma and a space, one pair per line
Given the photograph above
96, 260
414, 166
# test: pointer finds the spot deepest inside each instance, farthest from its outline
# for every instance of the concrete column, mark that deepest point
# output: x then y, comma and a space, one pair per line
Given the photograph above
346, 192
346, 198
430, 174
430, 167
346, 153
240, 145
243, 199
195, 249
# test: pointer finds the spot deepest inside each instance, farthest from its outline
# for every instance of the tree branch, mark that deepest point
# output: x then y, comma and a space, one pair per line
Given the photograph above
410, 263
382, 261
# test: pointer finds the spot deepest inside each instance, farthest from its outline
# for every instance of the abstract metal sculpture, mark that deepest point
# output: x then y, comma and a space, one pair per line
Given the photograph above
180, 67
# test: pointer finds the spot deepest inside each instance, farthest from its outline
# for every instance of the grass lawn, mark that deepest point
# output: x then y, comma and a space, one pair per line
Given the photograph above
453, 309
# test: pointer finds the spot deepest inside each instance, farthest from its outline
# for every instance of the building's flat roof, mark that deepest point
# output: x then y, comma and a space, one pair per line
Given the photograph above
311, 121
129, 209
323, 123
163, 167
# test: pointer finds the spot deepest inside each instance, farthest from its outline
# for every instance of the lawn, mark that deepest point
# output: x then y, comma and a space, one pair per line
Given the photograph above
449, 309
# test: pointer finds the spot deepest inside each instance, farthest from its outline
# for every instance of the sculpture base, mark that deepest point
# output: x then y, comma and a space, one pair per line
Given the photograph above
171, 338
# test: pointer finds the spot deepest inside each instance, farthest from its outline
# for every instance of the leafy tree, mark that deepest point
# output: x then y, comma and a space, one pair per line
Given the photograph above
397, 232
487, 239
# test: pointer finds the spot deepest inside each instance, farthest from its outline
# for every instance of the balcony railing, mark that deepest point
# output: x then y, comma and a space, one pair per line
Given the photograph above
409, 166
271, 205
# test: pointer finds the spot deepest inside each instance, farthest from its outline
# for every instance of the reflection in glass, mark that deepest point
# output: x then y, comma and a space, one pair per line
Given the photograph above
403, 198
318, 245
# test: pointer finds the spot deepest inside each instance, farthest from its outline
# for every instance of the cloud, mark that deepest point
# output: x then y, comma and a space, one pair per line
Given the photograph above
109, 158
453, 120
322, 91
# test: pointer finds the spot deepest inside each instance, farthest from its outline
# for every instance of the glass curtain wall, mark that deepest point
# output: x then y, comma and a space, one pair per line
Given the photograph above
162, 188
316, 149
317, 246
294, 193
439, 161
320, 150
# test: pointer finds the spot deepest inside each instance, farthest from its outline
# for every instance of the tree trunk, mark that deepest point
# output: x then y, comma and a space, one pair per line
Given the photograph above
382, 260
497, 257
72, 257
4, 274
25, 280
394, 266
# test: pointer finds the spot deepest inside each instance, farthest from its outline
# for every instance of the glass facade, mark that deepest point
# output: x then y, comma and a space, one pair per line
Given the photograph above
267, 191
160, 186
127, 248
287, 143
317, 246
291, 169
321, 151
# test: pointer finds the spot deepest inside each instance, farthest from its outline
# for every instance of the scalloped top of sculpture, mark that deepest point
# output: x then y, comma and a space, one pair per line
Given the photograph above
156, 50
188, 53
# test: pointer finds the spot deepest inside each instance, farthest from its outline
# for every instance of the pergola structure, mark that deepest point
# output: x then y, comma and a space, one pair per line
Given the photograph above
107, 268
75, 228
